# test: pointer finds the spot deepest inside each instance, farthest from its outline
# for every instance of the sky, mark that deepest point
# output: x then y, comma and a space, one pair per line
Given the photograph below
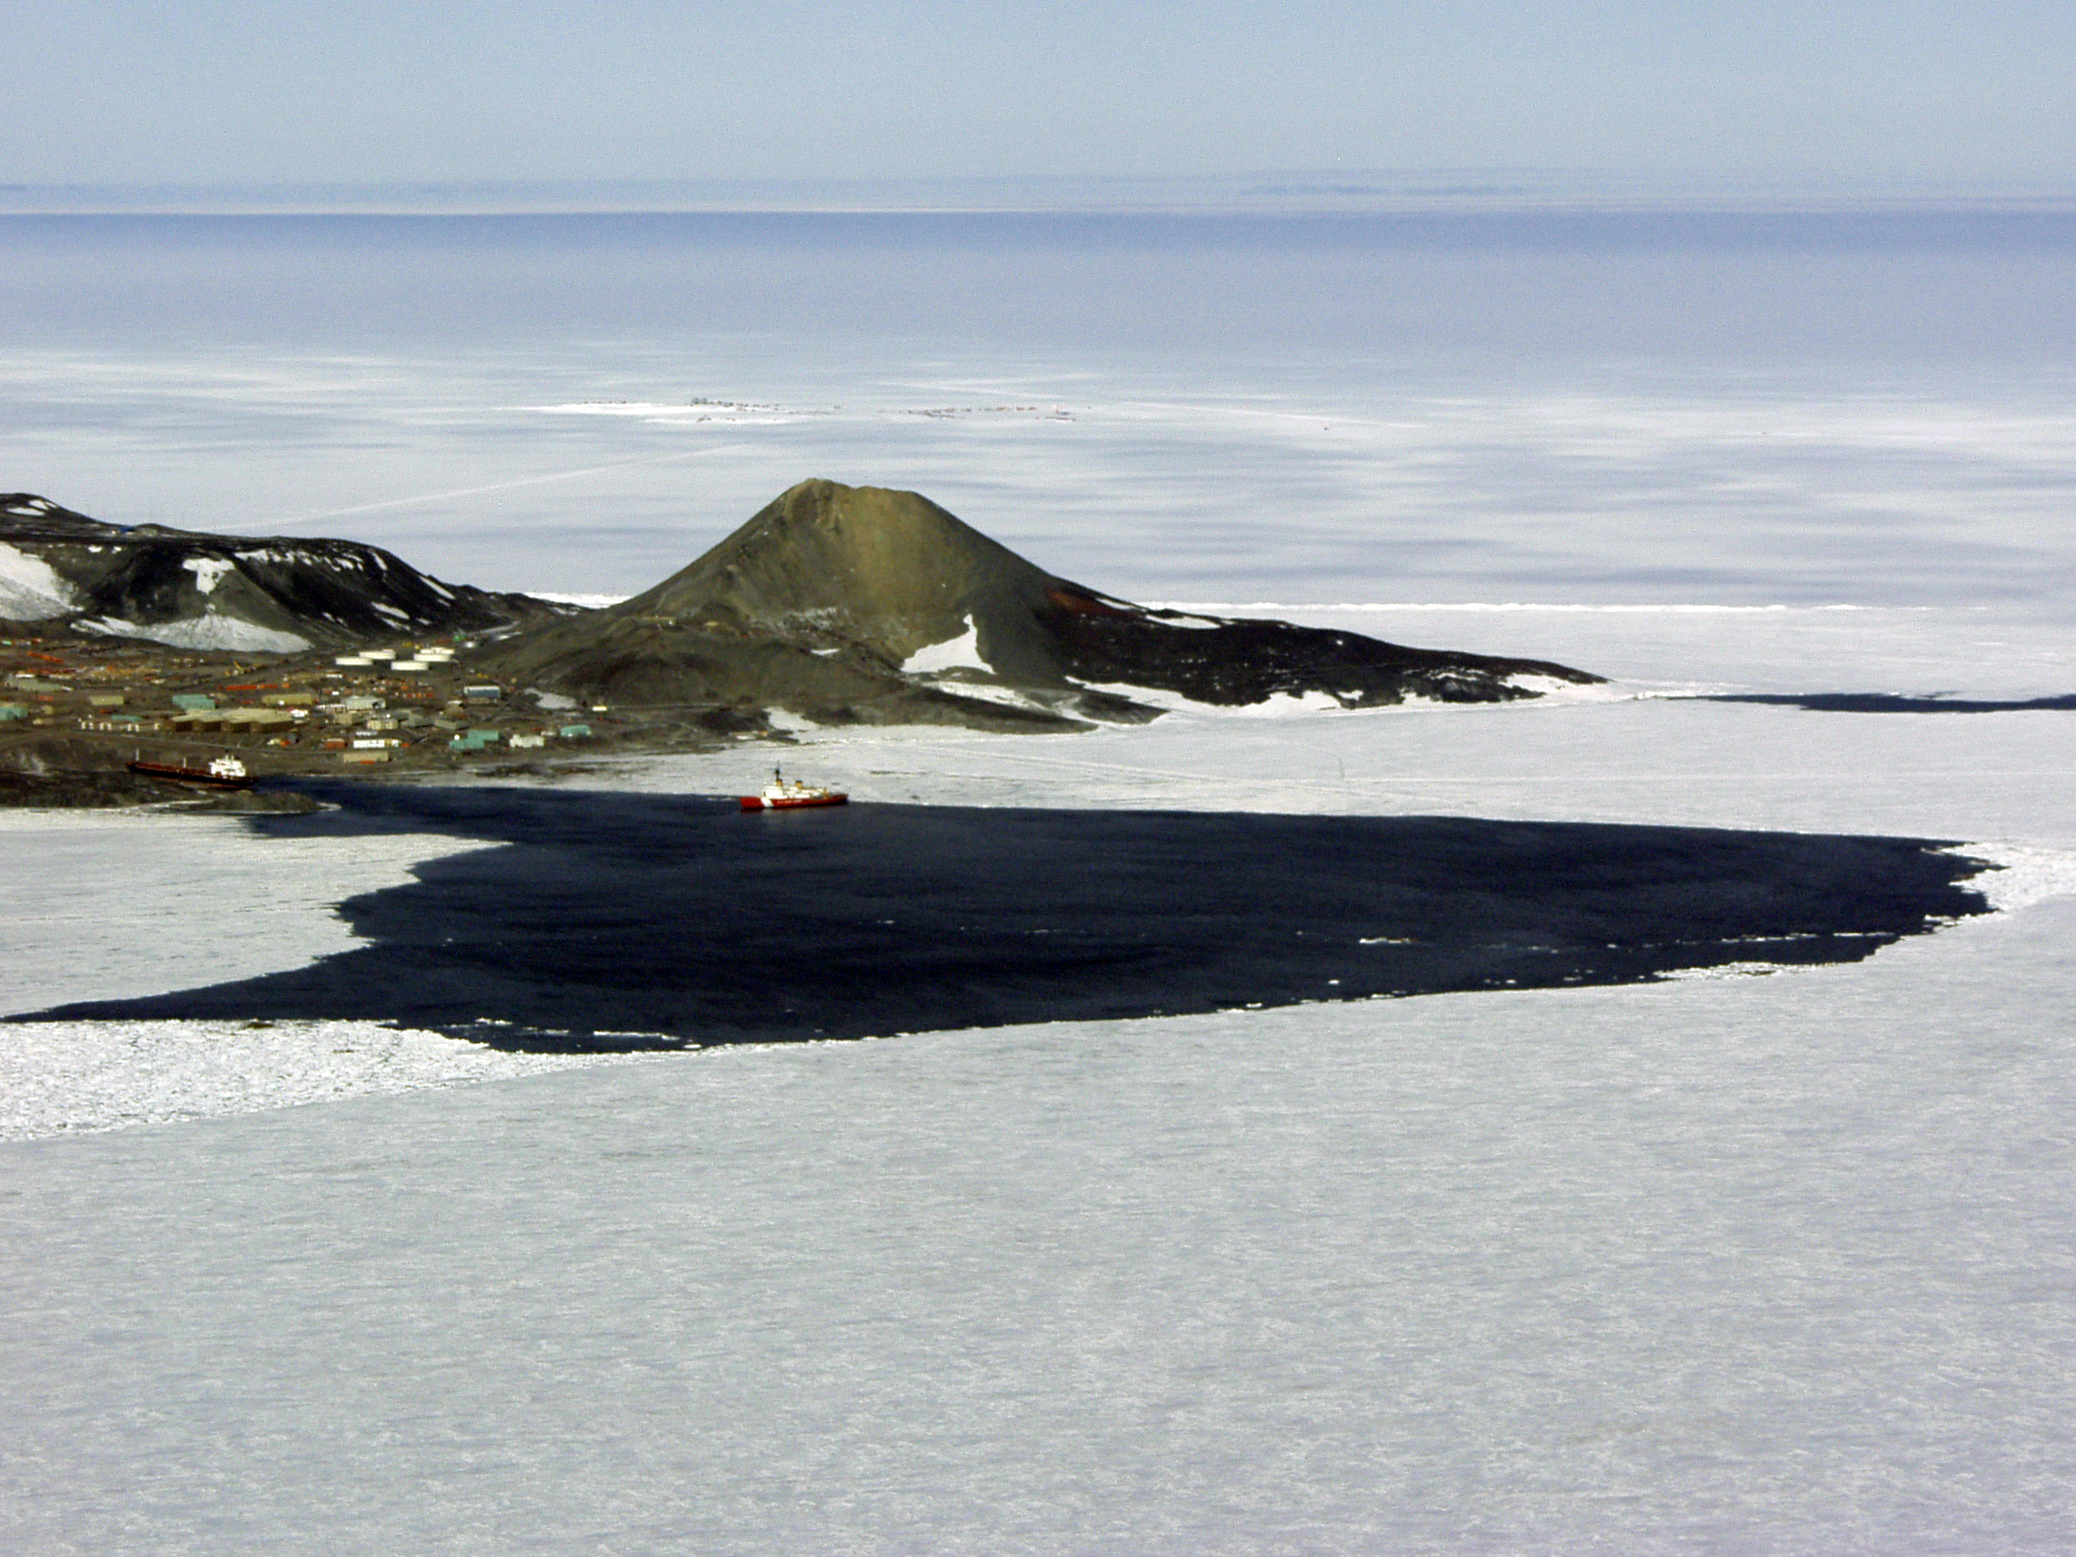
1846, 92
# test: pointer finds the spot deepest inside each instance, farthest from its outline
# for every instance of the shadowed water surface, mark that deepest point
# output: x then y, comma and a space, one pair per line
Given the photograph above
600, 917
1894, 703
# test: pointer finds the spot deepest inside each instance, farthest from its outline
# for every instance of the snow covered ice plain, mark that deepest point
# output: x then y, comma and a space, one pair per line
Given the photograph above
1772, 1262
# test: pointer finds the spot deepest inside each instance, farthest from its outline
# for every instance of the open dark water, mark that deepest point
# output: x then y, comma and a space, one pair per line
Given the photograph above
603, 917
1893, 703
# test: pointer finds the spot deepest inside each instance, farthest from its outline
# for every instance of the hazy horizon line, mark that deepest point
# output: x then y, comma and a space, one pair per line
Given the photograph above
1264, 192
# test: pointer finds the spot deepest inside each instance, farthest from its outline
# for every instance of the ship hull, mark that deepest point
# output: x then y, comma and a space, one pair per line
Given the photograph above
759, 803
173, 773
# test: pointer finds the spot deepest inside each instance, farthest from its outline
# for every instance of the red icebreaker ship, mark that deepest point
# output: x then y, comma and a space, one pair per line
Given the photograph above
784, 794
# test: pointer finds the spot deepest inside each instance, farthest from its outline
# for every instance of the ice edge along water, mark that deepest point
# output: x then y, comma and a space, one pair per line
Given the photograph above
74, 1078
142, 912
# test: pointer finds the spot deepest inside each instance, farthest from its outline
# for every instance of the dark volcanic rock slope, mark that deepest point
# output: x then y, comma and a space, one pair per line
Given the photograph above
206, 591
859, 603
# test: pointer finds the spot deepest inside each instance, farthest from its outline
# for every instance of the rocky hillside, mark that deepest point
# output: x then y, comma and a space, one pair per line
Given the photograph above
202, 591
859, 603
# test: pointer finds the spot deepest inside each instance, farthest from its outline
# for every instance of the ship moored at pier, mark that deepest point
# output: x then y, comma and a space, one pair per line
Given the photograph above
221, 773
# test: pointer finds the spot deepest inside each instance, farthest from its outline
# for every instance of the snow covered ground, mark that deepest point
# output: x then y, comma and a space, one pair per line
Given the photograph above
1769, 1264
1763, 1263
64, 1078
125, 903
116, 903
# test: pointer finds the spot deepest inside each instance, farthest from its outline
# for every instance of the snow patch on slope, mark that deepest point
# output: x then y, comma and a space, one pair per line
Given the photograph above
960, 653
1277, 706
589, 601
209, 631
992, 692
1558, 689
209, 571
30, 588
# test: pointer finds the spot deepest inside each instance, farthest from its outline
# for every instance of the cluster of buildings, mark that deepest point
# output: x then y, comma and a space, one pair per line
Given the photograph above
371, 706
